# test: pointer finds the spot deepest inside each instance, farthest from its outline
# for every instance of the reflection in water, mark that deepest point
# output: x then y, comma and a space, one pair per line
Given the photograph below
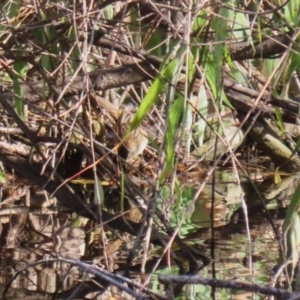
227, 199
45, 231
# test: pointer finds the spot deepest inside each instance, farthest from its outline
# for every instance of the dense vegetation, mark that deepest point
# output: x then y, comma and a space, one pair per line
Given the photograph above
114, 107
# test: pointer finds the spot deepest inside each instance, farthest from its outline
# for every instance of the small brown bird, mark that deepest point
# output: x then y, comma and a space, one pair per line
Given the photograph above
137, 140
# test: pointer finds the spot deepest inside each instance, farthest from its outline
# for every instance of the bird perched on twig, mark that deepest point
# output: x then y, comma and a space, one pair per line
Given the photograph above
135, 141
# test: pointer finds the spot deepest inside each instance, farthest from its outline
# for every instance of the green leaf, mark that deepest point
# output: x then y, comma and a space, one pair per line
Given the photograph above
19, 67
277, 178
2, 177
188, 115
269, 65
219, 24
174, 118
225, 100
193, 58
279, 118
293, 207
292, 241
241, 26
202, 106
14, 9
200, 21
291, 11
157, 37
108, 12
210, 74
98, 191
180, 56
211, 77
159, 84
170, 56
75, 54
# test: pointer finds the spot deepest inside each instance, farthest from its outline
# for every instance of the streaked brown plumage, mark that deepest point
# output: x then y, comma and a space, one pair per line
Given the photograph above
137, 140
